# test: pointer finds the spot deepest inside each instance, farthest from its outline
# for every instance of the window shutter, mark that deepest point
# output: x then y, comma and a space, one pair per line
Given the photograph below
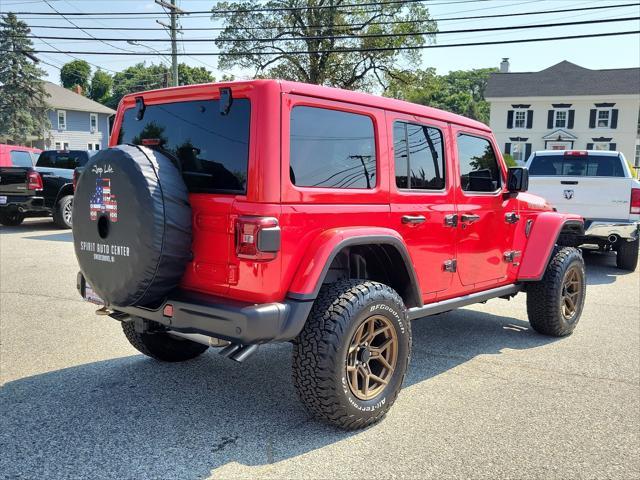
572, 114
527, 151
612, 146
507, 148
510, 119
592, 118
529, 118
614, 118
589, 146
550, 119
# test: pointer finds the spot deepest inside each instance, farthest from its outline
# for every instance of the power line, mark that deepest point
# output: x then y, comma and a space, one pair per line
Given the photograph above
358, 25
264, 9
365, 36
351, 50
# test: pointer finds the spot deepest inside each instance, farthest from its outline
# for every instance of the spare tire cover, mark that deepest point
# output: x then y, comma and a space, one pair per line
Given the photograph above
131, 225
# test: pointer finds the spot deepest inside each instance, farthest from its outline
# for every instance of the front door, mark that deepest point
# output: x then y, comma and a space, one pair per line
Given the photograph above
485, 229
422, 198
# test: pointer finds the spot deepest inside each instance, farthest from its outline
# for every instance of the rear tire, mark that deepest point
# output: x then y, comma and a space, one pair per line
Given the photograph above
162, 346
351, 357
12, 219
555, 303
627, 255
62, 215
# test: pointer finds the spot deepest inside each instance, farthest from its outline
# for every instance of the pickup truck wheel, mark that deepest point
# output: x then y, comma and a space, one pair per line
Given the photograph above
62, 215
12, 219
627, 255
351, 357
162, 346
554, 304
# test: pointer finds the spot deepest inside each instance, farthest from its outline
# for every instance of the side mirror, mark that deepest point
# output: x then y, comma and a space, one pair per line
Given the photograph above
518, 179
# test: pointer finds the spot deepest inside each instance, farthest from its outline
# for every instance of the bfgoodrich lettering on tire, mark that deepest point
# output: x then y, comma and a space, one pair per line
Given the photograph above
351, 358
554, 304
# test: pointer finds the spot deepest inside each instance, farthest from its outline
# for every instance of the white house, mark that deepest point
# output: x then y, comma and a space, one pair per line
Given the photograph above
565, 107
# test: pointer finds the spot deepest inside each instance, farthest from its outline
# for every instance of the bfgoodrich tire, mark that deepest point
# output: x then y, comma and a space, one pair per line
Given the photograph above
555, 303
351, 358
62, 215
131, 225
627, 255
162, 346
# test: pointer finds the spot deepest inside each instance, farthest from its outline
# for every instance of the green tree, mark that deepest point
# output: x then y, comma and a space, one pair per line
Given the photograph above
325, 33
101, 84
141, 77
76, 72
23, 108
459, 91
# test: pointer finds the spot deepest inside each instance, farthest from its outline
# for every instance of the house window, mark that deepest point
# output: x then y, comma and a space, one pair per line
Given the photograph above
58, 146
637, 161
603, 118
520, 119
560, 120
96, 146
93, 121
518, 152
62, 120
601, 146
89, 146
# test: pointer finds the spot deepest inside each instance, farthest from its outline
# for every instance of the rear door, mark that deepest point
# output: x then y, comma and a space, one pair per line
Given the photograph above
422, 206
594, 186
212, 150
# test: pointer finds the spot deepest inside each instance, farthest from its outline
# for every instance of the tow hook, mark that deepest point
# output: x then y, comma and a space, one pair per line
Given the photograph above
103, 311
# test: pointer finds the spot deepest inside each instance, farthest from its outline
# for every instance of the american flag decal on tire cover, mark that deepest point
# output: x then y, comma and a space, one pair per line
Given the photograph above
103, 201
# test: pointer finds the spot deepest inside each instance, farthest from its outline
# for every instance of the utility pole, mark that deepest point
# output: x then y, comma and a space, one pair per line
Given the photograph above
173, 12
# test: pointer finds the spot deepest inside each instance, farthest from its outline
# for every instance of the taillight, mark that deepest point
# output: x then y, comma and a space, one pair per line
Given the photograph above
34, 181
635, 201
257, 238
76, 176
576, 153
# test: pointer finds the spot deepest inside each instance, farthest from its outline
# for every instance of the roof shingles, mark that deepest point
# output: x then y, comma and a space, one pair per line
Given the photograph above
63, 99
564, 79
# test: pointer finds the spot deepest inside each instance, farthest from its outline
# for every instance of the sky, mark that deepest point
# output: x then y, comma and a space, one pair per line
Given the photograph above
594, 53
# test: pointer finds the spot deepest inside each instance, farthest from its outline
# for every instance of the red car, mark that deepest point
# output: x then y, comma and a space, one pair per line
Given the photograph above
270, 211
18, 156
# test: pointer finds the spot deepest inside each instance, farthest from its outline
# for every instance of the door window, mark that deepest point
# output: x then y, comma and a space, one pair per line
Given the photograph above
419, 156
332, 149
20, 159
479, 171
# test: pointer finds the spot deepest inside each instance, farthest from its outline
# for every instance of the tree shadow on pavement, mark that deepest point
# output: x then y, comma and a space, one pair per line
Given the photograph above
134, 417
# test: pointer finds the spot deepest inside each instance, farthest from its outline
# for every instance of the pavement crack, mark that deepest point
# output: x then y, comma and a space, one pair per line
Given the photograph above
43, 295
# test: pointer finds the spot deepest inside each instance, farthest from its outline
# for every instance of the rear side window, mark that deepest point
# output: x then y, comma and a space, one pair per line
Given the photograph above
332, 149
21, 159
576, 166
211, 150
68, 160
479, 170
419, 157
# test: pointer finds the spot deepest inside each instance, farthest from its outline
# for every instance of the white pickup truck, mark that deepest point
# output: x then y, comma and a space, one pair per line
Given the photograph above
597, 185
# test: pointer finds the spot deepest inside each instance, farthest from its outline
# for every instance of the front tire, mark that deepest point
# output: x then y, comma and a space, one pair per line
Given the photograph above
12, 219
555, 303
627, 255
351, 357
162, 346
62, 215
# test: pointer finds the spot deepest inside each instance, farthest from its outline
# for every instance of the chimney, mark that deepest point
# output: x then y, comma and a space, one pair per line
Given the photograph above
77, 89
504, 65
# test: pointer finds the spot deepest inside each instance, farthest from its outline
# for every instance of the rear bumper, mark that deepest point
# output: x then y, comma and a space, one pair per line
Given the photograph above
604, 228
238, 322
24, 204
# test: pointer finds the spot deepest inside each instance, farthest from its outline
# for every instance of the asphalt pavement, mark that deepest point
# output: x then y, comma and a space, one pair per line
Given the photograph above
485, 396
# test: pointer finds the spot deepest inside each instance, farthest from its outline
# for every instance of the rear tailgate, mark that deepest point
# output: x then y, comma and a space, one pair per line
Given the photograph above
591, 185
13, 181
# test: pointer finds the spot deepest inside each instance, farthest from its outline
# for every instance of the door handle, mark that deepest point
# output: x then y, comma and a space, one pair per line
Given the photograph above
413, 219
469, 218
511, 217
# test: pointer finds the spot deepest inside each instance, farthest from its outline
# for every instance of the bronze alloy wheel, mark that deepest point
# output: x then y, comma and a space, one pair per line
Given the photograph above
372, 357
571, 293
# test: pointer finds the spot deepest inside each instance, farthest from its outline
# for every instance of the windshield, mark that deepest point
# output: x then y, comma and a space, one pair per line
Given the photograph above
211, 149
68, 160
576, 166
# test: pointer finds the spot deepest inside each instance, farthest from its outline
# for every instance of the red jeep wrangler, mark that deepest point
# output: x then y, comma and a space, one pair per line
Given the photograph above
264, 211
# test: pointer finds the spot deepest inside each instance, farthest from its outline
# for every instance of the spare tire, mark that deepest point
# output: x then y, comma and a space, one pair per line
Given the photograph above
131, 225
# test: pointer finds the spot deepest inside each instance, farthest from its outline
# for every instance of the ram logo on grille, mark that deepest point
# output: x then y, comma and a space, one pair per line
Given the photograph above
103, 201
